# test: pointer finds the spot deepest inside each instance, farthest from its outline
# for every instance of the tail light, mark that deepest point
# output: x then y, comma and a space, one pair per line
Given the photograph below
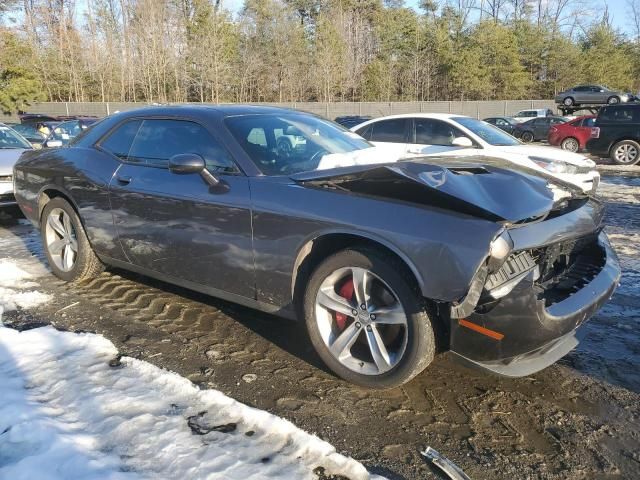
595, 132
553, 129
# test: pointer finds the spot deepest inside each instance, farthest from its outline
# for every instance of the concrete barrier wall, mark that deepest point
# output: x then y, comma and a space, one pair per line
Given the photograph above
476, 109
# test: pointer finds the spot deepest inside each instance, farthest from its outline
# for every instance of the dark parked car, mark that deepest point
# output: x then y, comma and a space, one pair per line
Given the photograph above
616, 134
507, 124
63, 133
537, 128
381, 261
31, 133
350, 121
591, 95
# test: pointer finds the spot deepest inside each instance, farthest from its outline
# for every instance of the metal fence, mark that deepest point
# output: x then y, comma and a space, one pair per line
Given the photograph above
476, 109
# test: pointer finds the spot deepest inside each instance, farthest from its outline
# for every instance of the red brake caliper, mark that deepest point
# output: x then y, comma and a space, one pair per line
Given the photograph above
345, 291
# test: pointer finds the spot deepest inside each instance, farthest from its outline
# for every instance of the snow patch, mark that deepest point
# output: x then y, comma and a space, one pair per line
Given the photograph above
65, 413
14, 280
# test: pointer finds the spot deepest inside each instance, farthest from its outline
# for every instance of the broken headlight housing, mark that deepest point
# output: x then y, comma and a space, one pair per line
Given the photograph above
499, 251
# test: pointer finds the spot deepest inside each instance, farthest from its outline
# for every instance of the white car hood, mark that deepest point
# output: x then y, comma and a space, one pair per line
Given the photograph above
366, 156
8, 158
550, 153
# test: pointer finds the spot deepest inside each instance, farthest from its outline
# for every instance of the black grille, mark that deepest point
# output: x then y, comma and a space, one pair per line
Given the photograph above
516, 264
567, 267
5, 178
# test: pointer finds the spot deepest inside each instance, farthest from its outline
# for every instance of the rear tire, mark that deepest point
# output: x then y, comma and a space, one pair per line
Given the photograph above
568, 101
570, 144
527, 137
65, 243
626, 152
394, 317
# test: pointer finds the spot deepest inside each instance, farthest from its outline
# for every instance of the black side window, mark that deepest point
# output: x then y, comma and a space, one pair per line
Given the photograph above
588, 122
392, 130
119, 141
581, 89
365, 132
159, 140
435, 132
617, 114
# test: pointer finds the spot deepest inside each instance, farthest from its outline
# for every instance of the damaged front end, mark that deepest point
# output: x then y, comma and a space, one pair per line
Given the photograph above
548, 268
524, 316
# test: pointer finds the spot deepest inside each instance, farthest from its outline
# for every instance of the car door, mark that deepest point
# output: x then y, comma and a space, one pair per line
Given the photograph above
392, 133
503, 125
430, 136
552, 121
598, 94
177, 224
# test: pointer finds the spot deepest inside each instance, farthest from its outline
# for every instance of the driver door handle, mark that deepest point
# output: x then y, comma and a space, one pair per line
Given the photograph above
123, 179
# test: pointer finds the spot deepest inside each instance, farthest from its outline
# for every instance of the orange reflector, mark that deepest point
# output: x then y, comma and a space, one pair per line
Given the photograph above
479, 329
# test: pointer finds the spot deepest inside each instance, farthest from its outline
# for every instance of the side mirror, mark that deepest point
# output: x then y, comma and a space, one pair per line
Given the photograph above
463, 142
186, 163
193, 163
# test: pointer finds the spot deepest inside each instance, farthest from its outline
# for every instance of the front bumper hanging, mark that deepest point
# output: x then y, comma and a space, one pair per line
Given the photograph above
536, 322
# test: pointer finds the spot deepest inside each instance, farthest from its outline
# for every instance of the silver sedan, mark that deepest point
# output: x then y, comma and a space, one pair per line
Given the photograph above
592, 95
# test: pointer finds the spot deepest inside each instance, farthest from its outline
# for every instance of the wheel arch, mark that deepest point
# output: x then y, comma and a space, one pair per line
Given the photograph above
319, 247
622, 139
48, 193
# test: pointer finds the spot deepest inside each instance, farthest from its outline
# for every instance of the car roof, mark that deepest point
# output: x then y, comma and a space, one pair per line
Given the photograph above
219, 110
442, 116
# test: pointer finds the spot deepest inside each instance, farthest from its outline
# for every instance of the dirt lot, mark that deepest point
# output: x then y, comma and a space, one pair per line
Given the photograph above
579, 419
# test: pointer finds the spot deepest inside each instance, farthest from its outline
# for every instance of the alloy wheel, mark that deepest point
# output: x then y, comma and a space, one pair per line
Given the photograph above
626, 153
570, 144
527, 137
361, 321
613, 100
568, 101
61, 241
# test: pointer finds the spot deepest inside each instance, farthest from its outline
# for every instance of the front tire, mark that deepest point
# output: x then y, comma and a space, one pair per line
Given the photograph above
527, 137
65, 242
613, 100
626, 152
570, 144
367, 320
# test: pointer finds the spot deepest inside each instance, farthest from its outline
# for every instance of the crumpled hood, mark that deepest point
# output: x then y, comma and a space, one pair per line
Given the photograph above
8, 158
548, 153
462, 185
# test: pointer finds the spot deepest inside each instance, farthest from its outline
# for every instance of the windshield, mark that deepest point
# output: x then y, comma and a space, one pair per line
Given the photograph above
490, 134
11, 139
283, 144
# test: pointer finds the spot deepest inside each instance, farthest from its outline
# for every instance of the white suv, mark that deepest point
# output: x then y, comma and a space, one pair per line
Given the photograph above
524, 115
423, 134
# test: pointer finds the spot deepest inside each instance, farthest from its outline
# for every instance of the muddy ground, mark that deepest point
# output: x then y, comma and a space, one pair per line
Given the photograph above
579, 419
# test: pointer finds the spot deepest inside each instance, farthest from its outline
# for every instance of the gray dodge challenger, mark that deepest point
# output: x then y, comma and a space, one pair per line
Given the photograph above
387, 261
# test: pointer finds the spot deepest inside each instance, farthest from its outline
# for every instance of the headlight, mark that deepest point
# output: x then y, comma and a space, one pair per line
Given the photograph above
554, 166
499, 250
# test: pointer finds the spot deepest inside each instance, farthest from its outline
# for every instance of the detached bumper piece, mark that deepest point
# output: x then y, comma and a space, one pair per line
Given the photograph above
528, 313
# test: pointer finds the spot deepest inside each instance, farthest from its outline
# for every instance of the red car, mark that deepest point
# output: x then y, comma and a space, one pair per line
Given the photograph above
573, 135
